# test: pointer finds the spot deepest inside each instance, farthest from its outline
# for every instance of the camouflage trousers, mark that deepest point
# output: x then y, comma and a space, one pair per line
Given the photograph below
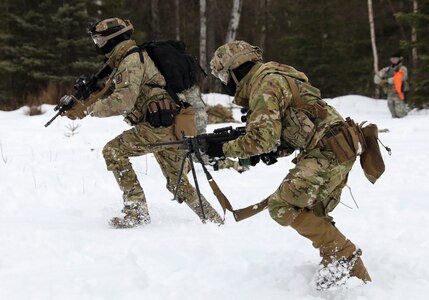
396, 106
132, 143
315, 183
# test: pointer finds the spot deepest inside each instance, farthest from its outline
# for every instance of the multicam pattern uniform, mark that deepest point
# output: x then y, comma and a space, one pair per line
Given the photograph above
276, 123
133, 91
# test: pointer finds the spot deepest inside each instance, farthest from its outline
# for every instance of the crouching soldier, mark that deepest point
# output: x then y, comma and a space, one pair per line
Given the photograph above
139, 94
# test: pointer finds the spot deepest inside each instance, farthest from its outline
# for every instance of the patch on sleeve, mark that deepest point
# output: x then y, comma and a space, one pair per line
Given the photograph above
122, 79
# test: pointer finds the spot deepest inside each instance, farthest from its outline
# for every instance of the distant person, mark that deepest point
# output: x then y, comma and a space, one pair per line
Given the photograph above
394, 81
140, 96
286, 113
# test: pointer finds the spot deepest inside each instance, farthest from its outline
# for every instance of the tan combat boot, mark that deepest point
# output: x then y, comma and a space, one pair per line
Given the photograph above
134, 215
340, 257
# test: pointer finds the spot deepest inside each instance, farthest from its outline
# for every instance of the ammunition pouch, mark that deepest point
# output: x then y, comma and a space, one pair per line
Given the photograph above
134, 117
185, 122
160, 113
345, 140
157, 112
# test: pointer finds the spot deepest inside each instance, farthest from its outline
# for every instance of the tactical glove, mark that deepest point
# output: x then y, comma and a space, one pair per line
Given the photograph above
269, 158
78, 111
214, 149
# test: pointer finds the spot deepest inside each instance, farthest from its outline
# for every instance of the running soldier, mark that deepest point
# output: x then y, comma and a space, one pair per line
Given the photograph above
286, 113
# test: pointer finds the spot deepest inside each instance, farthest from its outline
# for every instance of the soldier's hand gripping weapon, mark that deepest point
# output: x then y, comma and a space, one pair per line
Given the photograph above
87, 90
196, 145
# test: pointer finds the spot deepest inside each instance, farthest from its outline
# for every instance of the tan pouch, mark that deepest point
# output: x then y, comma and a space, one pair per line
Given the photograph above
185, 123
339, 144
371, 160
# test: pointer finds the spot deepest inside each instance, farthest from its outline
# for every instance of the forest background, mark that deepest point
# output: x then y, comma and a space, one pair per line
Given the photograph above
44, 46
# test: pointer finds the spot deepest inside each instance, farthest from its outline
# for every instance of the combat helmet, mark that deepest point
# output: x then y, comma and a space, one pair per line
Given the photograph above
107, 33
230, 56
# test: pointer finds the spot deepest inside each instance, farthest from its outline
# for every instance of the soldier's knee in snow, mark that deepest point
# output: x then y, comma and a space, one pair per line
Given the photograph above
283, 214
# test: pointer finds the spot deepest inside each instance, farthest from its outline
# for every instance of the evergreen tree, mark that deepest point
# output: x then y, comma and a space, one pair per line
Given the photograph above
42, 42
420, 76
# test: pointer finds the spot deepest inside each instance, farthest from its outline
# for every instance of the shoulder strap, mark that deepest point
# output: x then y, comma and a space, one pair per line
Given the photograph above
294, 88
135, 50
316, 110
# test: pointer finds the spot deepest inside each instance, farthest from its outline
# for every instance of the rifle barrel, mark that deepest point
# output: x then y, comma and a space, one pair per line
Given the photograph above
51, 120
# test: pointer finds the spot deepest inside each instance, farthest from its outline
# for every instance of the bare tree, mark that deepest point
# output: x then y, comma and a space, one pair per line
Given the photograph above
154, 10
264, 5
203, 34
414, 36
373, 43
177, 13
234, 20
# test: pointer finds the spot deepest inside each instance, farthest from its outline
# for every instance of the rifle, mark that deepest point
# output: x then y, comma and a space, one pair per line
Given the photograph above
196, 145
88, 90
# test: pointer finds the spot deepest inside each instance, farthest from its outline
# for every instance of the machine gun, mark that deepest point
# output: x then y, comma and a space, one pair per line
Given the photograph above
196, 145
87, 90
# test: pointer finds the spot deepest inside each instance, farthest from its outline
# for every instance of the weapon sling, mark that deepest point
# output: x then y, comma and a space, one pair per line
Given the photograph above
239, 214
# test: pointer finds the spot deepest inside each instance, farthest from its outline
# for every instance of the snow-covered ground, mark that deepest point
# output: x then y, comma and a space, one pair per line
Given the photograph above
56, 198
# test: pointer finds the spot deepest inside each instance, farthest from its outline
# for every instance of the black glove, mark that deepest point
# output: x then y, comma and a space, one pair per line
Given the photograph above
214, 149
269, 158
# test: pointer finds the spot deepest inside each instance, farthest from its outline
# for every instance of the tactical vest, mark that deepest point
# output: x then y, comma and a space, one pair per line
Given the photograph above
307, 117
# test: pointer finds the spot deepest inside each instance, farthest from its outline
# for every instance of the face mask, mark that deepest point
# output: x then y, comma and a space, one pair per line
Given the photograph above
231, 87
99, 50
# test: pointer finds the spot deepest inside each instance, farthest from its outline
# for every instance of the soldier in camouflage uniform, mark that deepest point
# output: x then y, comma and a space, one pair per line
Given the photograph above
394, 81
137, 85
280, 123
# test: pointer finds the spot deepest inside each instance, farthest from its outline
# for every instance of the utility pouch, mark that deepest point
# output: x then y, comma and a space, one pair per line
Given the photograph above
371, 160
337, 143
345, 140
185, 122
160, 113
134, 117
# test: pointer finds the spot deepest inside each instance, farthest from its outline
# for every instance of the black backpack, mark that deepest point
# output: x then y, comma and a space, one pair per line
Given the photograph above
178, 68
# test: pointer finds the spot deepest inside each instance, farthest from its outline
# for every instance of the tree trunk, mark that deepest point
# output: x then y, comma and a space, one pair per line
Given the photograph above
234, 21
177, 13
414, 37
265, 4
155, 18
373, 44
203, 34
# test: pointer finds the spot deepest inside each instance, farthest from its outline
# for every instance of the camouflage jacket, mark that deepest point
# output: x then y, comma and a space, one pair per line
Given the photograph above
275, 121
135, 84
